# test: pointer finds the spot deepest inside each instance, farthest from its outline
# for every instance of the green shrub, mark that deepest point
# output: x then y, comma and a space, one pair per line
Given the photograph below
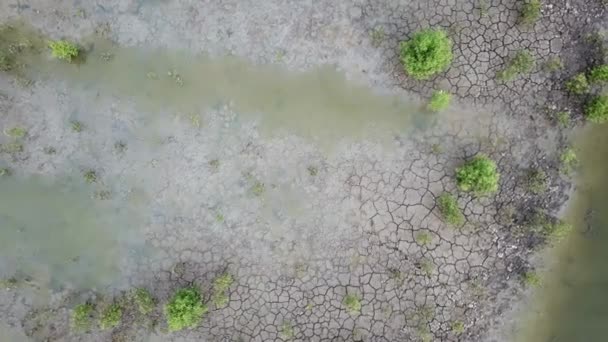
479, 175
531, 278
185, 309
110, 317
599, 74
448, 206
6, 62
64, 50
568, 159
426, 54
521, 63
352, 304
530, 12
440, 100
144, 301
82, 316
578, 84
597, 109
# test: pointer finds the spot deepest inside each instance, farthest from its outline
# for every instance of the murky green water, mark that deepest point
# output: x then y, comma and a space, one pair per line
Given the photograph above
573, 302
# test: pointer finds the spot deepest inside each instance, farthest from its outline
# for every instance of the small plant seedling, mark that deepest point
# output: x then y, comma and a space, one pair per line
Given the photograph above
82, 316
377, 35
313, 171
352, 304
557, 230
423, 238
563, 118
185, 309
531, 279
479, 175
569, 160
6, 62
436, 149
110, 316
596, 109
530, 12
521, 63
219, 218
76, 126
554, 64
64, 50
120, 147
258, 188
16, 132
214, 164
457, 327
12, 147
286, 331
90, 176
220, 300
448, 206
5, 172
49, 150
537, 181
599, 74
426, 266
426, 54
144, 301
578, 84
221, 284
439, 101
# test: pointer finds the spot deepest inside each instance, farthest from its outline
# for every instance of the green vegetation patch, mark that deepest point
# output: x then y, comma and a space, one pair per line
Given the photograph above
479, 175
563, 118
599, 74
64, 50
423, 238
12, 147
531, 279
530, 12
537, 181
521, 63
110, 316
448, 206
221, 284
596, 110
457, 327
286, 332
440, 100
185, 309
144, 301
90, 176
82, 316
578, 84
426, 54
352, 304
554, 64
5, 172
16, 132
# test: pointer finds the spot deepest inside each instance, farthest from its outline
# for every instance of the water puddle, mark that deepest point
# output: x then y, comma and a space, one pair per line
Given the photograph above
57, 235
573, 302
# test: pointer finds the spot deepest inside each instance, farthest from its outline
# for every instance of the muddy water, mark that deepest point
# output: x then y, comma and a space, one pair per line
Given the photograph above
56, 235
573, 302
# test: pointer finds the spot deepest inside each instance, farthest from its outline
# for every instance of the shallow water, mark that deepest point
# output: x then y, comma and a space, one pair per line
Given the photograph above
573, 301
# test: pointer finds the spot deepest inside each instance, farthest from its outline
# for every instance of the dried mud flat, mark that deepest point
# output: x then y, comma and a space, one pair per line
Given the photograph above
314, 189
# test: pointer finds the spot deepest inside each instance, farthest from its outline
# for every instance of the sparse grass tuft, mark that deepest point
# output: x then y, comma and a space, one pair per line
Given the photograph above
426, 266
185, 309
64, 50
479, 175
6, 62
76, 126
536, 181
110, 316
440, 100
423, 238
352, 304
426, 54
258, 188
82, 316
599, 74
558, 230
12, 147
554, 64
90, 176
521, 63
5, 172
377, 35
313, 171
596, 110
563, 118
457, 327
531, 279
530, 12
578, 84
221, 284
448, 206
144, 301
16, 132
568, 160
286, 332
120, 147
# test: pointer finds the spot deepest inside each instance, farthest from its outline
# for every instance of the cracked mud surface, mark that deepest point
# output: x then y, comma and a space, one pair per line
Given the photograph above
299, 226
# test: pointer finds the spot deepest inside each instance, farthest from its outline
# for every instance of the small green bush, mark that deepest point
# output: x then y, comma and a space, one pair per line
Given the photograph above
82, 316
448, 206
599, 74
352, 304
596, 110
426, 54
90, 176
568, 159
578, 84
479, 175
440, 100
521, 63
110, 317
185, 309
530, 12
144, 301
64, 50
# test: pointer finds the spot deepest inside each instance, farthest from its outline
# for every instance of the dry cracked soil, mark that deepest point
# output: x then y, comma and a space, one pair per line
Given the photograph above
279, 142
